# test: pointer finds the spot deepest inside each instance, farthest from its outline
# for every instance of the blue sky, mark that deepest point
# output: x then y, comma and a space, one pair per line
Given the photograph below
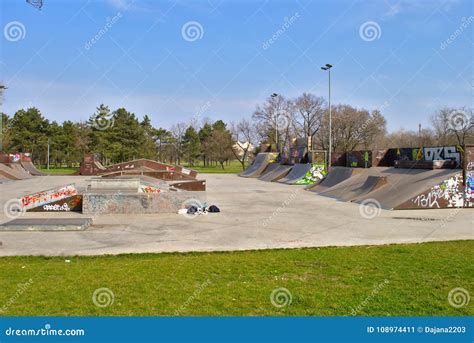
144, 62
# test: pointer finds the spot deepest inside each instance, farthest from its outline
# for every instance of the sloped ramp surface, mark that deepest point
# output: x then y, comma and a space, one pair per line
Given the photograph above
298, 171
8, 172
275, 172
30, 168
20, 171
336, 175
366, 181
405, 184
259, 165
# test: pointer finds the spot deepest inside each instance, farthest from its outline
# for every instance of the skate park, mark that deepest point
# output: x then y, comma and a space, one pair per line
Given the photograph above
132, 207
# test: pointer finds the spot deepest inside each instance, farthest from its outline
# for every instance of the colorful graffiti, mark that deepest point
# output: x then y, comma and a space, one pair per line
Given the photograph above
359, 159
448, 194
43, 198
452, 153
148, 189
15, 158
443, 153
314, 175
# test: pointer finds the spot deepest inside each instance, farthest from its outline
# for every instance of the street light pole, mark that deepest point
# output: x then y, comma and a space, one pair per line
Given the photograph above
48, 153
328, 68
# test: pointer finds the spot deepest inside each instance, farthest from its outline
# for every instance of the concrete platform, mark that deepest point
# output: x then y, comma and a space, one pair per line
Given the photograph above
46, 224
255, 215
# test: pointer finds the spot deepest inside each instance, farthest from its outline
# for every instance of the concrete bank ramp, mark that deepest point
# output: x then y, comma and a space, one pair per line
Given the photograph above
30, 168
335, 176
368, 180
298, 171
262, 160
405, 184
46, 224
8, 173
20, 171
275, 172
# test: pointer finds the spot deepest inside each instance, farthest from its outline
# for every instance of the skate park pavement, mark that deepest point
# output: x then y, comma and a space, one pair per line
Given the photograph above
254, 215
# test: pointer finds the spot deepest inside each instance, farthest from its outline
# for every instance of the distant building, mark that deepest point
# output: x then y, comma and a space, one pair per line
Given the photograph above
240, 149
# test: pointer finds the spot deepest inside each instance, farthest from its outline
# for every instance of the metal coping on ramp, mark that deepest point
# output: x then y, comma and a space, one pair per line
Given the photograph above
47, 224
275, 172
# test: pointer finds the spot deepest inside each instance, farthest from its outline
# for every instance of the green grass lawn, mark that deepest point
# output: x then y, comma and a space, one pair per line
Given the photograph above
390, 280
58, 170
232, 168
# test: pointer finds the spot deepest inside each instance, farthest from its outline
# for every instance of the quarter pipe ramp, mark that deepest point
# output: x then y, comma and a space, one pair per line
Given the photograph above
27, 164
336, 175
298, 171
417, 189
275, 172
259, 164
359, 184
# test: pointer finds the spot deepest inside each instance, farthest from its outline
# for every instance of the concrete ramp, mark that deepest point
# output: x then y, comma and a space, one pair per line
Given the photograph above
49, 196
298, 171
8, 173
416, 188
335, 176
30, 168
275, 172
359, 184
259, 165
20, 171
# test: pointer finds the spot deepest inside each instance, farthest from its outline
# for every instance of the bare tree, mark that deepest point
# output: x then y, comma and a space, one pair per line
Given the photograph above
309, 114
274, 117
440, 122
245, 137
351, 128
461, 124
177, 132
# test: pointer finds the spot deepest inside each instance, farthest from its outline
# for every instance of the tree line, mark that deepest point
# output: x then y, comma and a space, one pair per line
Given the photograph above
120, 135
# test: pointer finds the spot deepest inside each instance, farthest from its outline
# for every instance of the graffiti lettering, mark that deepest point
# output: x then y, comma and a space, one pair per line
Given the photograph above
64, 207
428, 200
45, 197
442, 153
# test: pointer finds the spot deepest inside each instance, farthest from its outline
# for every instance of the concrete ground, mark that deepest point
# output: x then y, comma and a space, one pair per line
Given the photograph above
255, 215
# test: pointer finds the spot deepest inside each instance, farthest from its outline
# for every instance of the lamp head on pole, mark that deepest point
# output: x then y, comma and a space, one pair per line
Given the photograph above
274, 95
327, 66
